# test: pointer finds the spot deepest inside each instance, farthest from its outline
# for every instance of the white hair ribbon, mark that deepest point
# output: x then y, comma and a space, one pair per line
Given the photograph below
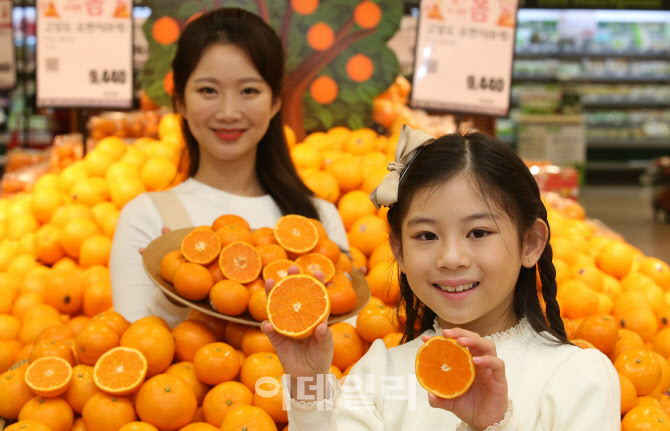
409, 143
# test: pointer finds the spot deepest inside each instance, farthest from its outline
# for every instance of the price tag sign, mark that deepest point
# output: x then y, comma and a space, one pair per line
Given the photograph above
7, 57
464, 54
84, 53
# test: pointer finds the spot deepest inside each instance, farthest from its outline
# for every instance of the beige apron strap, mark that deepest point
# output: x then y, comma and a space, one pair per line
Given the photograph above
171, 209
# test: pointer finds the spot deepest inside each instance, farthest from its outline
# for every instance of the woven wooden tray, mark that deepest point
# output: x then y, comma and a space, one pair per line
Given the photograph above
172, 241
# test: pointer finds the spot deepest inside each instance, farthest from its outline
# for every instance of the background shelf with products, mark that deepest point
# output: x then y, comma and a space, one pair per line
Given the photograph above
614, 67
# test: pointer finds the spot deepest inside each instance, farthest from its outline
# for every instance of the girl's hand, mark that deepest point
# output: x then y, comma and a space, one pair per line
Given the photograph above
305, 357
485, 403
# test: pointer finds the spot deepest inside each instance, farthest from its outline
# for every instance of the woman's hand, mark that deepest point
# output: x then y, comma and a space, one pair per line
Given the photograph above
305, 357
485, 403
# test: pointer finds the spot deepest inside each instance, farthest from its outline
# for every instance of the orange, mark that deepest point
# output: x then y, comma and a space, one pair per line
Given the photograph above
270, 253
166, 402
348, 172
154, 341
341, 294
107, 412
54, 412
239, 261
112, 319
258, 305
138, 426
28, 425
297, 304
277, 269
14, 392
218, 326
664, 382
375, 320
93, 340
320, 36
120, 371
222, 398
304, 7
97, 298
590, 275
247, 418
229, 297
64, 291
348, 346
361, 141
444, 368
169, 264
658, 270
323, 184
643, 417
393, 339
583, 344
626, 340
186, 371
157, 173
382, 254
192, 281
367, 14
254, 341
198, 425
216, 363
640, 319
49, 376
599, 330
354, 205
310, 263
264, 235
616, 259
95, 250
189, 336
47, 244
661, 342
82, 388
75, 232
230, 219
269, 396
258, 365
50, 347
628, 394
329, 249
577, 302
359, 68
200, 246
383, 282
234, 333
233, 232
296, 233
641, 367
165, 30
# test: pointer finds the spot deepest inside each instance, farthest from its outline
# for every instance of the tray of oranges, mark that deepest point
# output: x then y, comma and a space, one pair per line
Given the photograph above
221, 269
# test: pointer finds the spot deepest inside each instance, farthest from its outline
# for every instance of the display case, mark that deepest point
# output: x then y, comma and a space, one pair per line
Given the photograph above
615, 64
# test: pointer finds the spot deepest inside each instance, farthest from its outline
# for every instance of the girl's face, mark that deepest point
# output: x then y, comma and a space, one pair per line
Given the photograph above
462, 257
228, 105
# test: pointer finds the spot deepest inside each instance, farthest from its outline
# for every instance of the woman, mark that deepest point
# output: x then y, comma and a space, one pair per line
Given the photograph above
228, 74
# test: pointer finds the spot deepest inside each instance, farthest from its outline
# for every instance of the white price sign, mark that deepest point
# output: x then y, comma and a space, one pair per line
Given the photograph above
7, 54
84, 53
464, 56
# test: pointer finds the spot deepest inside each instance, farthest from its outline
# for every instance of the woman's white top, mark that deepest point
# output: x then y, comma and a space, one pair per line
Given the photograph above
140, 222
551, 387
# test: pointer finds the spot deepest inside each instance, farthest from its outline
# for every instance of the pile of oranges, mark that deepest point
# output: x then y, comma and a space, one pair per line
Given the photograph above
229, 263
55, 295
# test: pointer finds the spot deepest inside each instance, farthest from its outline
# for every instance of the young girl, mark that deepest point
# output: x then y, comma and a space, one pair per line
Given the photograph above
228, 74
468, 230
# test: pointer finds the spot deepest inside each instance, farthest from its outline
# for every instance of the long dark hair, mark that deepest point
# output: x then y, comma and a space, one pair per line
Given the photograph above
503, 180
274, 167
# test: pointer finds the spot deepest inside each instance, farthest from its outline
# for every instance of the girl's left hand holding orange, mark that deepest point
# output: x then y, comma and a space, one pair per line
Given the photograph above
485, 403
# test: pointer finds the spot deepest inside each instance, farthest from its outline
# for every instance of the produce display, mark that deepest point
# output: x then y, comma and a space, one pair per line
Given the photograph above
68, 361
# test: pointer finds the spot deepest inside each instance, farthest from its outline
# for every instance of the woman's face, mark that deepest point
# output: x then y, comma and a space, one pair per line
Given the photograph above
228, 105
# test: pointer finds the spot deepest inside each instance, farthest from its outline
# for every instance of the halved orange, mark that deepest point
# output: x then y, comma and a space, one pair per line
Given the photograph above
297, 304
120, 370
239, 261
444, 368
201, 246
311, 262
49, 376
278, 269
296, 233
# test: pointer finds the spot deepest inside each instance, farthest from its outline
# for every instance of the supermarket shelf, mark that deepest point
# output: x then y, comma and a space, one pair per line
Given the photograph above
631, 165
536, 77
619, 102
632, 143
576, 55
